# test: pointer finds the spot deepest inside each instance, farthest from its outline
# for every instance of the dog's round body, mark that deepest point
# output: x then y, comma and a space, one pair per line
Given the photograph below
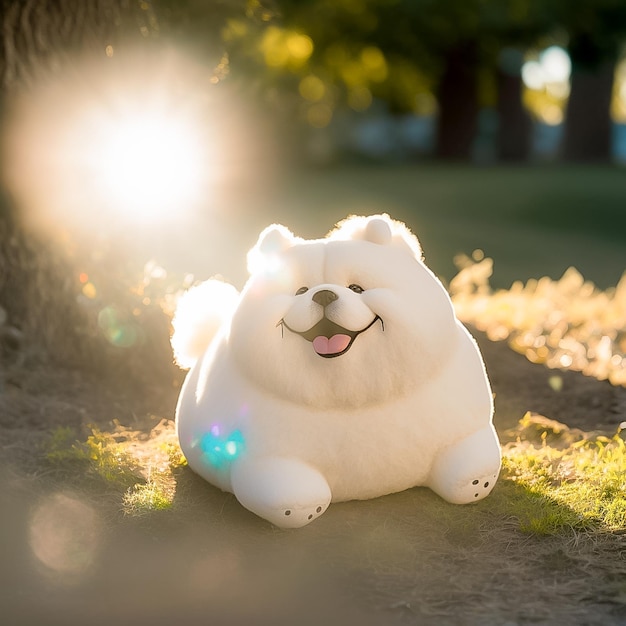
341, 374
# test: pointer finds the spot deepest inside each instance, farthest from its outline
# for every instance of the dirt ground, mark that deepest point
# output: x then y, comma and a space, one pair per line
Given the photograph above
69, 555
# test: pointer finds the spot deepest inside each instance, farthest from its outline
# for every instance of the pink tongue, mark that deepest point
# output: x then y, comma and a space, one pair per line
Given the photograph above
337, 343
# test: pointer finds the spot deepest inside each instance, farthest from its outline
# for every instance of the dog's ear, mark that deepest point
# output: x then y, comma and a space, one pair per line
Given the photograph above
378, 229
272, 241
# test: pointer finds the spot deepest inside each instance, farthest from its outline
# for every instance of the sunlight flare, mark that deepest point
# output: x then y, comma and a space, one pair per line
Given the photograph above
114, 145
147, 163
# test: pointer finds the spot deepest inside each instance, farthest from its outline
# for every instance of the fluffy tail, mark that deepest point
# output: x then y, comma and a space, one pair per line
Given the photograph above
199, 314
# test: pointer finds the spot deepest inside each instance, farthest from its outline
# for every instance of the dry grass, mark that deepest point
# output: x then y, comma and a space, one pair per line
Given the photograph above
566, 323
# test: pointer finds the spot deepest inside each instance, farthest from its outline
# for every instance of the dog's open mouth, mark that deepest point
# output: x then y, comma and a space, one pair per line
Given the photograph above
329, 339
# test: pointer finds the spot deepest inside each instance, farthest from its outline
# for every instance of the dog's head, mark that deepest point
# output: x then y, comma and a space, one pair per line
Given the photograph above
349, 320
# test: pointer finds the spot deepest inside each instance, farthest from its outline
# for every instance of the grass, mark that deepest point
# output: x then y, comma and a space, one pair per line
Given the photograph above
565, 480
569, 480
139, 467
560, 481
566, 323
546, 546
99, 455
534, 220
156, 494
555, 480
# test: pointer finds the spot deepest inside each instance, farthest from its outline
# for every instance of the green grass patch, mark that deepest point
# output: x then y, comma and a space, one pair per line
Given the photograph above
565, 479
99, 456
555, 480
156, 494
138, 466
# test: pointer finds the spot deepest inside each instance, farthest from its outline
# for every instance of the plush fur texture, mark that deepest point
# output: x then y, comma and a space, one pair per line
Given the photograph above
340, 372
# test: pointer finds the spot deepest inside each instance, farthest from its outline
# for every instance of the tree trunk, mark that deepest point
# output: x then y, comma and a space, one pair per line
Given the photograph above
515, 125
458, 103
38, 284
588, 120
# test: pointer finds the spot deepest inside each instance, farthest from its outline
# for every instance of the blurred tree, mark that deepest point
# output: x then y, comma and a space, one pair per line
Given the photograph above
416, 46
477, 44
44, 39
470, 53
39, 36
596, 30
514, 136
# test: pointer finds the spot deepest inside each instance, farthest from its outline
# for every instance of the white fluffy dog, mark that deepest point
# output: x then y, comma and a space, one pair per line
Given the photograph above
340, 372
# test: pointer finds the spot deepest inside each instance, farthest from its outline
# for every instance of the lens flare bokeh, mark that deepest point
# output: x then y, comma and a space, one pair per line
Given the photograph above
115, 161
146, 164
115, 143
65, 535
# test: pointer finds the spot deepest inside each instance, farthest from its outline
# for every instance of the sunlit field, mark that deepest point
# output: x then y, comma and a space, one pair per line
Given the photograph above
566, 323
130, 200
573, 480
145, 145
556, 517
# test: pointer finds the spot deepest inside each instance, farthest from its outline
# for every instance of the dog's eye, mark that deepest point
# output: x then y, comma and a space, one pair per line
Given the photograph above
356, 288
301, 291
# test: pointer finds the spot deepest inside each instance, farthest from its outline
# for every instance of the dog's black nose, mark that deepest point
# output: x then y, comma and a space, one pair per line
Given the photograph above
324, 297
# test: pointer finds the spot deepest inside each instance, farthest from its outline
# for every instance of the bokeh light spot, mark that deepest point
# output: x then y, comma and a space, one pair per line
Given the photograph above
220, 449
556, 63
65, 535
374, 63
360, 98
300, 46
547, 81
285, 48
553, 115
89, 291
234, 29
533, 75
556, 383
312, 88
618, 101
274, 51
120, 332
319, 115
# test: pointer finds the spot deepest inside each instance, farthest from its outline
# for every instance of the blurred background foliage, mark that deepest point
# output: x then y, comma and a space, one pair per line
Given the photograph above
317, 59
320, 60
480, 82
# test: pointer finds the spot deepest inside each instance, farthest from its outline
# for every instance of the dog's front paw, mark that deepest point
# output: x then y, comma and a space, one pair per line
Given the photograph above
286, 492
467, 471
464, 492
298, 516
